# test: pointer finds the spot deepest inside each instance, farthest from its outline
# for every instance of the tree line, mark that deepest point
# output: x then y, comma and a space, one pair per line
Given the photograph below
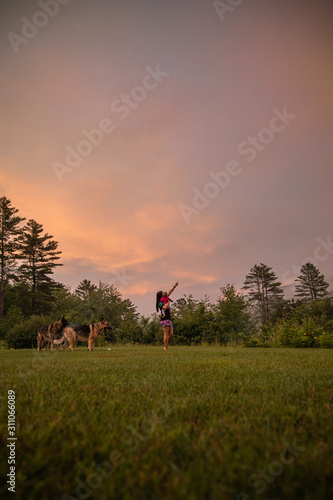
30, 298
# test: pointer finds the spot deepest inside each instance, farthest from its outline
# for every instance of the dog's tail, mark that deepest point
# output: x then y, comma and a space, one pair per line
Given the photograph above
59, 341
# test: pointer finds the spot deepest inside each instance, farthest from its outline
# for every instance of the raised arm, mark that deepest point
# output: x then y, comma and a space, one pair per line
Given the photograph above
172, 289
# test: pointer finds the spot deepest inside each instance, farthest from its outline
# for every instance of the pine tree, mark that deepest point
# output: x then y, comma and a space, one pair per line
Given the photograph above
312, 284
85, 288
9, 230
39, 254
264, 290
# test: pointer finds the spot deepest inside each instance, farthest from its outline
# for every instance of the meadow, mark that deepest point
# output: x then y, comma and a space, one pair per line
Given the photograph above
135, 422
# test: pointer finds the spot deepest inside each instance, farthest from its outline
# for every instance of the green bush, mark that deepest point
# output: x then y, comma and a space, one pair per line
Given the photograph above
24, 334
13, 316
3, 345
300, 339
101, 341
152, 332
254, 342
326, 340
128, 333
291, 333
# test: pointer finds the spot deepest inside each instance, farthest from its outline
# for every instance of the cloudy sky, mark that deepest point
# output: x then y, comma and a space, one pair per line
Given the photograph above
171, 139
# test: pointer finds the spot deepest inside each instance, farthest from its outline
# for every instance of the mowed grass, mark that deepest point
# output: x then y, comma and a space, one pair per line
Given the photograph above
191, 423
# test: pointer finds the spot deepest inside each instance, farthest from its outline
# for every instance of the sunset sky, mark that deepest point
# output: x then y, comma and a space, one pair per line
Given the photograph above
171, 139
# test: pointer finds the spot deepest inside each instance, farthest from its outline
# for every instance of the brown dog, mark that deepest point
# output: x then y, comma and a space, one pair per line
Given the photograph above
47, 334
84, 333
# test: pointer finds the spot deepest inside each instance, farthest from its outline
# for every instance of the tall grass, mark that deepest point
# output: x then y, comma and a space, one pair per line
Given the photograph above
192, 423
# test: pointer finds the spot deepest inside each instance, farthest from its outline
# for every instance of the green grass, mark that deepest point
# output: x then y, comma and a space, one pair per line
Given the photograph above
193, 423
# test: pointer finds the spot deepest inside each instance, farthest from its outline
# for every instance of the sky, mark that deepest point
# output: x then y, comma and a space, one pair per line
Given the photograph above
171, 140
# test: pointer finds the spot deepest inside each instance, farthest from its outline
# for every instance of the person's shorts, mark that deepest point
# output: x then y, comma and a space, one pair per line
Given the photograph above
166, 322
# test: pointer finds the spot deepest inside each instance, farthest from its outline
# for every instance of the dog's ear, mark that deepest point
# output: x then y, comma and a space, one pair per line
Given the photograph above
102, 318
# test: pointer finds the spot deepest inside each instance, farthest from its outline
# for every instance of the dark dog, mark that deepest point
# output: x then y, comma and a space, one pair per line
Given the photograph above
84, 333
47, 334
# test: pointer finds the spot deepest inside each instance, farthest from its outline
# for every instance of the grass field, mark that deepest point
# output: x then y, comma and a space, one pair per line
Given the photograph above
194, 423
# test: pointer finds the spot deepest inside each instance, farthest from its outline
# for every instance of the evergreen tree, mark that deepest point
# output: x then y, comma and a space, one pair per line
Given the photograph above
39, 254
264, 290
311, 284
9, 230
85, 288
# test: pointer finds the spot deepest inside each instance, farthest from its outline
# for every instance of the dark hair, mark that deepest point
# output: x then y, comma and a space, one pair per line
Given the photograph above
158, 300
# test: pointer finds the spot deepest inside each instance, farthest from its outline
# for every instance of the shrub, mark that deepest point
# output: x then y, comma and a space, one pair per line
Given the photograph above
24, 334
291, 333
326, 340
3, 345
101, 341
254, 342
300, 339
128, 333
13, 316
151, 332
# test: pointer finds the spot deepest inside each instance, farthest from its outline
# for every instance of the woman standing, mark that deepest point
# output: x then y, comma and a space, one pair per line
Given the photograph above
164, 308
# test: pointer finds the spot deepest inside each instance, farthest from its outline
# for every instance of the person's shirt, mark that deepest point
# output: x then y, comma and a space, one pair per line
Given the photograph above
165, 300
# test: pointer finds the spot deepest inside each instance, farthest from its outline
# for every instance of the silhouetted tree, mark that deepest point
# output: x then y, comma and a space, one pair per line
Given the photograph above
39, 254
264, 290
85, 288
9, 230
311, 284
